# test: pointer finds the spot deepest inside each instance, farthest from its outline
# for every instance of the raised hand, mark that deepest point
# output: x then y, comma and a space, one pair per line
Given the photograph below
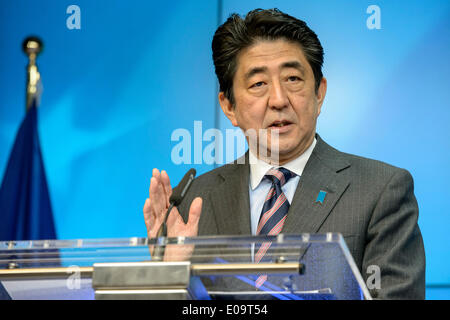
155, 208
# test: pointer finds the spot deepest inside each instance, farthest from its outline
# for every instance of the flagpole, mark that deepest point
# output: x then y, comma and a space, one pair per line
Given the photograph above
32, 46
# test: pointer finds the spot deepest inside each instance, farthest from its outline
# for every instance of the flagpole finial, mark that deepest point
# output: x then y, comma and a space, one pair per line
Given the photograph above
32, 46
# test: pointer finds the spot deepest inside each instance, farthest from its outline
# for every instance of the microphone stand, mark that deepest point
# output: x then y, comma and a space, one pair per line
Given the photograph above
158, 252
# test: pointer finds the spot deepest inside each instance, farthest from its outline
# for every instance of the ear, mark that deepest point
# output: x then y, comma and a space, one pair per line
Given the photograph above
227, 108
321, 92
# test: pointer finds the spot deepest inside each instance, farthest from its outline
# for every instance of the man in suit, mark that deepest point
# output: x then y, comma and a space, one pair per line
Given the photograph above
269, 70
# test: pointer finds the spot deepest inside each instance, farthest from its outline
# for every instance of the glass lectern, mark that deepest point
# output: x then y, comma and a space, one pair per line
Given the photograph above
293, 267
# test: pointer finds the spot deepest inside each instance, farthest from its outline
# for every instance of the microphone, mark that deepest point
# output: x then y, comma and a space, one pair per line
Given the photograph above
174, 200
183, 187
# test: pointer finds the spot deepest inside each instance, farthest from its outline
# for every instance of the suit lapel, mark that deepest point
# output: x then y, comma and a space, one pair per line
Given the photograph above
231, 204
230, 200
320, 179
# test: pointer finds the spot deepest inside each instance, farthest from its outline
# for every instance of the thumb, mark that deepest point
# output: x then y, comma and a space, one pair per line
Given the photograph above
195, 211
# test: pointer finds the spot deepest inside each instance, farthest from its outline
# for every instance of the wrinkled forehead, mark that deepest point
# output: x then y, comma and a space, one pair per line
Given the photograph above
270, 55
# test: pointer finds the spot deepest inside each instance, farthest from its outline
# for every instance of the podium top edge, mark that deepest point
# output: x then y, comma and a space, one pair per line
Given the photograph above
142, 241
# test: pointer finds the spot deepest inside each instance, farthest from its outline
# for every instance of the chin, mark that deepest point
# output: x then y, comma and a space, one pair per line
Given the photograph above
285, 148
282, 154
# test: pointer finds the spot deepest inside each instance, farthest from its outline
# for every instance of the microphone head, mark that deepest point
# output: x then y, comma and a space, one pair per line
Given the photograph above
191, 171
178, 194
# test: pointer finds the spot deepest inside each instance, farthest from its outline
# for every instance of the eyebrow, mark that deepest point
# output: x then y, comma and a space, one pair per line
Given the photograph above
293, 64
254, 71
290, 64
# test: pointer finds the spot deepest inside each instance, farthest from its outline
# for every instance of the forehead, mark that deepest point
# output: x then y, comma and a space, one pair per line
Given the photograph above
270, 54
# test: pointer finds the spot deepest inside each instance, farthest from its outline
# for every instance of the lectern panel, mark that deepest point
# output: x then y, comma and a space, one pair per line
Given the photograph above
287, 267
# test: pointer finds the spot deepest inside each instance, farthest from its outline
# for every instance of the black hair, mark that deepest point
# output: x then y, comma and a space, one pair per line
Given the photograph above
237, 34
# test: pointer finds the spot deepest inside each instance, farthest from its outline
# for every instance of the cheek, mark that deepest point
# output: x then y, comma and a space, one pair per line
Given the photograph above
306, 108
250, 113
247, 119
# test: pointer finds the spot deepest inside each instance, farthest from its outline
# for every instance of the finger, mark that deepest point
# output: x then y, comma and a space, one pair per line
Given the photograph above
154, 175
164, 199
147, 210
156, 194
149, 217
166, 183
157, 177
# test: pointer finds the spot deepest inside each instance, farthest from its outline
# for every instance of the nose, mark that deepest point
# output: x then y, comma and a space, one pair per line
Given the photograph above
277, 96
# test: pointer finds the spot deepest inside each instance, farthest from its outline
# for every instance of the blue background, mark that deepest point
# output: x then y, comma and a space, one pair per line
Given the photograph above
115, 90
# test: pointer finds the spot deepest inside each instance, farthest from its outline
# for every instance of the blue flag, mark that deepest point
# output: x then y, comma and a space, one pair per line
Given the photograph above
25, 208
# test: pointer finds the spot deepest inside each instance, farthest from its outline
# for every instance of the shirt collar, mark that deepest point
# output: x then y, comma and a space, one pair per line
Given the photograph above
259, 168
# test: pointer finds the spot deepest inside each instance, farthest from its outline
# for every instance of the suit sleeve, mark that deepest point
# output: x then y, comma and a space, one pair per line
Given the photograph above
394, 242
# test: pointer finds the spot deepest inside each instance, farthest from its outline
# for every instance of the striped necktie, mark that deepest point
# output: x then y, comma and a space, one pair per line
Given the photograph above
273, 214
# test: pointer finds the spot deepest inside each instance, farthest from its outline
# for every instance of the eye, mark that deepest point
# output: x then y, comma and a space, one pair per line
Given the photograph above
293, 78
257, 84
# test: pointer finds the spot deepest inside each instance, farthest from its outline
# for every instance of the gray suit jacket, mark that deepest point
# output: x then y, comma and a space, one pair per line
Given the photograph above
372, 204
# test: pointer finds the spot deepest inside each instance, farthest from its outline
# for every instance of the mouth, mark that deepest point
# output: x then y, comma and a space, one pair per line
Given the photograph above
279, 124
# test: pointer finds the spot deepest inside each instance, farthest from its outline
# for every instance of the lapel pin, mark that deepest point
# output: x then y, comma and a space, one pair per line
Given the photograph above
321, 196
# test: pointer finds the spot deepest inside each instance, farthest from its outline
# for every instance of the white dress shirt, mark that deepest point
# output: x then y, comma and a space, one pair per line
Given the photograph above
259, 187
